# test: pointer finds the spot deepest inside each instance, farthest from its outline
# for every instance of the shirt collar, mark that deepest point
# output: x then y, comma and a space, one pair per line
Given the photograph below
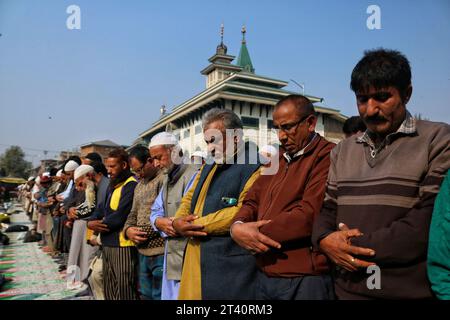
301, 152
408, 127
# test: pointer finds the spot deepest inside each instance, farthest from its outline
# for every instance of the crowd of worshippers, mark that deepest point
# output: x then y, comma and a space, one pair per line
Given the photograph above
367, 218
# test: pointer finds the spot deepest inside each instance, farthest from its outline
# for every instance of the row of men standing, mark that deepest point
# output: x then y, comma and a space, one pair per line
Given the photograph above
234, 229
59, 208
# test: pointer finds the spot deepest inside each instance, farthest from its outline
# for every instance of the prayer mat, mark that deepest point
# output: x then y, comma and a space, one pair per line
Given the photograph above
31, 274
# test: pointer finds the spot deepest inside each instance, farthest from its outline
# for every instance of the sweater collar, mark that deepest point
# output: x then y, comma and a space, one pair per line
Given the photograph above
408, 127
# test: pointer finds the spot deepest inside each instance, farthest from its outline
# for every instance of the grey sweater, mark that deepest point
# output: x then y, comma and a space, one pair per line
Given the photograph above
390, 198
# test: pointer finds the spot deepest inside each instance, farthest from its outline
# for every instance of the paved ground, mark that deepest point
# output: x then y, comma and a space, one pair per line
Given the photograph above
33, 274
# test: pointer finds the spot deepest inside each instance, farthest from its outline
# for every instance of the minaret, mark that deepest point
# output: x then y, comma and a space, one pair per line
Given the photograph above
220, 67
221, 48
244, 60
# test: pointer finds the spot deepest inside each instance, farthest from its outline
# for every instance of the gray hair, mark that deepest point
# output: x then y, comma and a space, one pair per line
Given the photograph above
230, 119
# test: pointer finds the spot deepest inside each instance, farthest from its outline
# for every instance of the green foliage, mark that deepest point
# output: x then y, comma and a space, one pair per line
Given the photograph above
13, 163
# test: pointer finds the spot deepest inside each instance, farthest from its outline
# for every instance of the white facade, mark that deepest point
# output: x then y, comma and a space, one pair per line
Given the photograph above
191, 134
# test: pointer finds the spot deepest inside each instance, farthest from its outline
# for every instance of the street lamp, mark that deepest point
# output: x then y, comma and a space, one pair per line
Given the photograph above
301, 85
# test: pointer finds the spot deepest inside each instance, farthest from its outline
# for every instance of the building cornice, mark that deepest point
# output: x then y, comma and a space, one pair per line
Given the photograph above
218, 90
221, 56
217, 65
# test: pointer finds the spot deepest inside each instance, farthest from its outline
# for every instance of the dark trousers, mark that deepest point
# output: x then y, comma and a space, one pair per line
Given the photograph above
66, 235
297, 288
120, 273
55, 229
150, 276
59, 235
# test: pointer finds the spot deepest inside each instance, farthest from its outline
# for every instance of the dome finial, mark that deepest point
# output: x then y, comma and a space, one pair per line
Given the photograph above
243, 30
244, 60
221, 48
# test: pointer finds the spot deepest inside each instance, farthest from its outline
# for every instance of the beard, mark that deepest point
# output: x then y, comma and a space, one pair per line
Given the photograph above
168, 169
121, 177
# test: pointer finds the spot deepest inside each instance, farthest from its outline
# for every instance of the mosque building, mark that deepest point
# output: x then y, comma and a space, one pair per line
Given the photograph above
236, 87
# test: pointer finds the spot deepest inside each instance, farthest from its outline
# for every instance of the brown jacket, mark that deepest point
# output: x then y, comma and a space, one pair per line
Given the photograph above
292, 199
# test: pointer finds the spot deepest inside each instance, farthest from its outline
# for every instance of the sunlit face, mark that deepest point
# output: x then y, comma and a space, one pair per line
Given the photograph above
221, 143
115, 167
293, 129
382, 110
69, 175
161, 157
215, 138
137, 167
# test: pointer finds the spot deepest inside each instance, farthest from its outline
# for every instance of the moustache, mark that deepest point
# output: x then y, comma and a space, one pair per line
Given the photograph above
375, 119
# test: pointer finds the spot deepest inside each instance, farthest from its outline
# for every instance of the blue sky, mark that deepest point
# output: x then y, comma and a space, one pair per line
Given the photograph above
109, 79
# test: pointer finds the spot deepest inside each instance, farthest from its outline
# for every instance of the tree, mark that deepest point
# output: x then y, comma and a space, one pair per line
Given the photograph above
14, 164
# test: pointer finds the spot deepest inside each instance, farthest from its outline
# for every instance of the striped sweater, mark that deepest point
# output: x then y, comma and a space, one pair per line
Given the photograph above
389, 195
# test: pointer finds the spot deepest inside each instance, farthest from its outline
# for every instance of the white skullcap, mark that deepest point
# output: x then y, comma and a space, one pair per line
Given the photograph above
59, 173
163, 138
71, 166
269, 149
46, 174
31, 178
82, 170
199, 153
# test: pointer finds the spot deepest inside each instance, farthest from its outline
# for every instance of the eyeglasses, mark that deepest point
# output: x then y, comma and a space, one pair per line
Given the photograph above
138, 171
287, 127
142, 168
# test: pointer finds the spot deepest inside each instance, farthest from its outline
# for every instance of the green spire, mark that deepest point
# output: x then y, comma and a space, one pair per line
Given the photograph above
244, 60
